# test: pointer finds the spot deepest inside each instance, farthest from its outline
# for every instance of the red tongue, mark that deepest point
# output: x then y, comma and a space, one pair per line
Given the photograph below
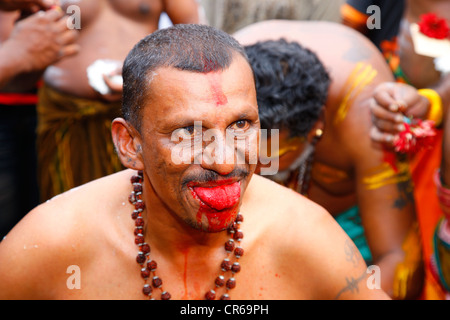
221, 197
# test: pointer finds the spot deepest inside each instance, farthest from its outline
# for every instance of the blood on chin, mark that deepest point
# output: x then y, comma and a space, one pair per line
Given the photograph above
216, 222
218, 208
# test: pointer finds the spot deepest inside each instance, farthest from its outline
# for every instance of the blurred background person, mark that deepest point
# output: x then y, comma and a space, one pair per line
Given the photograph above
429, 74
27, 47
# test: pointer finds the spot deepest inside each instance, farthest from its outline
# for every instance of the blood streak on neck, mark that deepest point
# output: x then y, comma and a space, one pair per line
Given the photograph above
216, 89
186, 252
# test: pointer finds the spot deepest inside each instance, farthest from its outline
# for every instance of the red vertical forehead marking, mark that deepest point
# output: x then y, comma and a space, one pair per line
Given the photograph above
215, 83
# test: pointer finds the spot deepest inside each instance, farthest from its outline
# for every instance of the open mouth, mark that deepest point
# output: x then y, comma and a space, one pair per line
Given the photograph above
218, 196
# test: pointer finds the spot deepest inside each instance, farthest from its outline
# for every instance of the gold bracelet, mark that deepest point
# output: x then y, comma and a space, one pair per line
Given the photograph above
436, 113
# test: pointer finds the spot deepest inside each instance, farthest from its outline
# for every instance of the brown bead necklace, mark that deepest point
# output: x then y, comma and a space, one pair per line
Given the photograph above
149, 267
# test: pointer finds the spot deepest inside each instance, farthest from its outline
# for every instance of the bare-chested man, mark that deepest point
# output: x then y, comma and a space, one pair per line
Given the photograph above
367, 189
180, 85
74, 118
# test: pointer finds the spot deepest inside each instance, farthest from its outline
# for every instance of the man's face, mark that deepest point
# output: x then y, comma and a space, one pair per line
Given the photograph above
199, 132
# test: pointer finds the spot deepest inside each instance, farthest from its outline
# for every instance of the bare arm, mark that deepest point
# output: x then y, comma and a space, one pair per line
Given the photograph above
384, 194
330, 258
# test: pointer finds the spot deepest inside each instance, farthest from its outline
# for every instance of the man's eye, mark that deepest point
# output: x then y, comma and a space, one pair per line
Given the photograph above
185, 133
240, 125
189, 130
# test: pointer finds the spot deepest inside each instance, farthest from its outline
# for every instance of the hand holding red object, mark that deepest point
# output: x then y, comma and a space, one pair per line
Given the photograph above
415, 136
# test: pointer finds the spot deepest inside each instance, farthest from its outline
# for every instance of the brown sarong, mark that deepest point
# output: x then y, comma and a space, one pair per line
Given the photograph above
74, 141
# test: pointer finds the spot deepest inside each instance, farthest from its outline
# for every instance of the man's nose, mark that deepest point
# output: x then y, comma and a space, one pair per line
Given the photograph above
219, 155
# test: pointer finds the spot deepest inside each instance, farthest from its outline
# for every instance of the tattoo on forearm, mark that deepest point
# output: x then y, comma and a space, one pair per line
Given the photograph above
406, 195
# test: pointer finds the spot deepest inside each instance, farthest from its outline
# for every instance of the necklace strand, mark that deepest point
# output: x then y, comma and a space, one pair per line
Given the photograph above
149, 266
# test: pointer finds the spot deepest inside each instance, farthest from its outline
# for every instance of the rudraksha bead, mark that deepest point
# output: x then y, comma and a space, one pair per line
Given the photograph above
165, 296
157, 282
225, 296
226, 265
232, 229
139, 222
141, 258
145, 248
137, 188
147, 290
238, 252
229, 245
152, 265
139, 239
220, 281
138, 230
139, 205
239, 218
145, 273
210, 295
231, 283
236, 267
136, 179
238, 235
135, 215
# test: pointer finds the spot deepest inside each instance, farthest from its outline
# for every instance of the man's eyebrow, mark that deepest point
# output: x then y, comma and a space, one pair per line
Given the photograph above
245, 115
180, 123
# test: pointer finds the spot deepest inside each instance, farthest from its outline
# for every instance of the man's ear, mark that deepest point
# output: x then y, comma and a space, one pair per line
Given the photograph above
128, 144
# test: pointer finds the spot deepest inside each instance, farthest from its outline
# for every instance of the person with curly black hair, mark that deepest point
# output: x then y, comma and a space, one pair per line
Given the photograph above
316, 89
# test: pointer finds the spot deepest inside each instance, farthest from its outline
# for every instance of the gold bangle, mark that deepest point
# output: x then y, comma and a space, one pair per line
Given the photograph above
436, 113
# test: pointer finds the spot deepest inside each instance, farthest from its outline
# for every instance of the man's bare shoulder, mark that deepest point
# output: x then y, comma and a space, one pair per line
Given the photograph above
307, 246
55, 232
287, 212
73, 206
272, 197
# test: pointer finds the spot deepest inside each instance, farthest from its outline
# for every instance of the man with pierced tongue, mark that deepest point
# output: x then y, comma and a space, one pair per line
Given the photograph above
187, 219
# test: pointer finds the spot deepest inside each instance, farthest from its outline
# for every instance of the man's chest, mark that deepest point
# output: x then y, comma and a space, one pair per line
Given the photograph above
136, 10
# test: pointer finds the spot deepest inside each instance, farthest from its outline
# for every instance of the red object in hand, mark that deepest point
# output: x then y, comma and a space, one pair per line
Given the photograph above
415, 136
433, 26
